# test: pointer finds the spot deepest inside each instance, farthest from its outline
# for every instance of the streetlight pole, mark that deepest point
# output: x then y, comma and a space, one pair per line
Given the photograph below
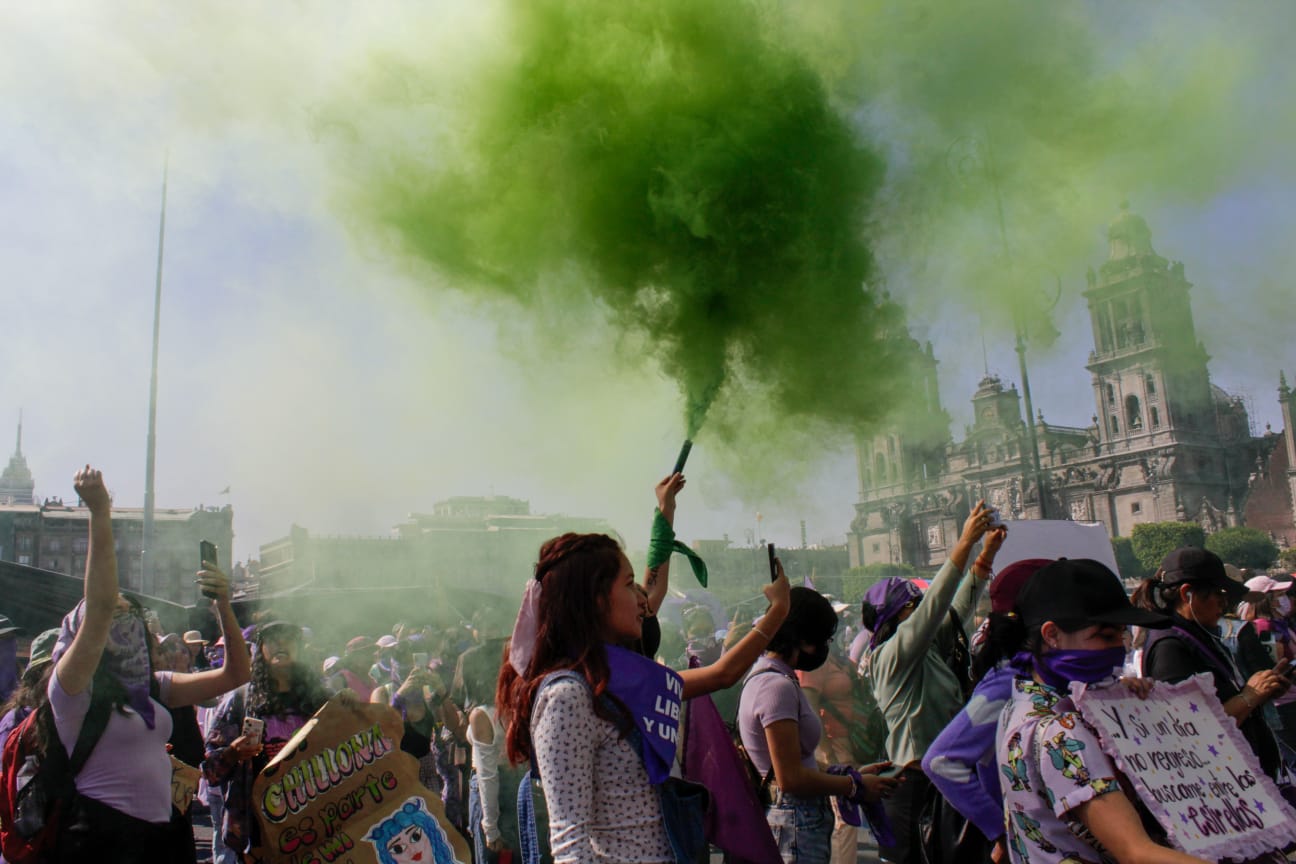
147, 585
1019, 331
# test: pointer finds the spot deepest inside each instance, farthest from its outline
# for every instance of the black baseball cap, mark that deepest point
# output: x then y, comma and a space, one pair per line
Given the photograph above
1081, 590
279, 629
1198, 566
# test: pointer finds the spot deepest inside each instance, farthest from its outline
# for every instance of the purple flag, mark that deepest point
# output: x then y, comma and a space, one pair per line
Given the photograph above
736, 821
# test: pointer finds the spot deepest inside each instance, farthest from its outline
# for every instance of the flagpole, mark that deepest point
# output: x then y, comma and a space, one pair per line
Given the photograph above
147, 584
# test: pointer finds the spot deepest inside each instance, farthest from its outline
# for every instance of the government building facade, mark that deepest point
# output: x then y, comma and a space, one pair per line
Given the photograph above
1163, 443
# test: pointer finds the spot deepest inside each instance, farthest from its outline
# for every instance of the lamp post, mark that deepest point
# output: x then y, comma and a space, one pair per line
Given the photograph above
964, 158
147, 585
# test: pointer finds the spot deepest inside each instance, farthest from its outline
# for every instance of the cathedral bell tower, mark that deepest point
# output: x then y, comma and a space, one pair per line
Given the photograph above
1151, 384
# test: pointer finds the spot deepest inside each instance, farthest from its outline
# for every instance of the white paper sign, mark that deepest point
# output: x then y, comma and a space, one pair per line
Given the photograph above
1192, 768
1055, 538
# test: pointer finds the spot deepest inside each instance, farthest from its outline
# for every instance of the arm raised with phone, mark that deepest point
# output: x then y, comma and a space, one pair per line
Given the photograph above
190, 688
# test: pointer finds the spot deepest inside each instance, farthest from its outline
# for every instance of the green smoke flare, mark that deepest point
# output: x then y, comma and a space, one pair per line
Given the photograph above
670, 161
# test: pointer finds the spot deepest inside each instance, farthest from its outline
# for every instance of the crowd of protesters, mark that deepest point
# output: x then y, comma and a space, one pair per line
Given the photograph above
916, 715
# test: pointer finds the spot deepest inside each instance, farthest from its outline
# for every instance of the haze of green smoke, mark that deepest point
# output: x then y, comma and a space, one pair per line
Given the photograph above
697, 171
672, 162
1047, 113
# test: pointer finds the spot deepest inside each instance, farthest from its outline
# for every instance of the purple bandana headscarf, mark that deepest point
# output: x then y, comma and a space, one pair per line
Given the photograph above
888, 597
125, 656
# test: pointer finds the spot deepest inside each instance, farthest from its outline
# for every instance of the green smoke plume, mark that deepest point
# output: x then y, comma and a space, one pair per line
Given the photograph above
710, 177
1015, 129
672, 162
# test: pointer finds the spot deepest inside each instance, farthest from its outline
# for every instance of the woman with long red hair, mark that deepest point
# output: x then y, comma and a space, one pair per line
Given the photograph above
582, 708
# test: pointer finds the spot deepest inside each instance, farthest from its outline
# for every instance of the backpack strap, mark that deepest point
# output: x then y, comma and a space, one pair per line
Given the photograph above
769, 775
92, 729
551, 678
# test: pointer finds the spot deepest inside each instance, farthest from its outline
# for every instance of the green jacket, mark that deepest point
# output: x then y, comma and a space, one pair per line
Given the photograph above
913, 686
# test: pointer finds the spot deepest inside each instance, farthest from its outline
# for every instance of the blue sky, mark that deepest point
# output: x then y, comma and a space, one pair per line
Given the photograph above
326, 384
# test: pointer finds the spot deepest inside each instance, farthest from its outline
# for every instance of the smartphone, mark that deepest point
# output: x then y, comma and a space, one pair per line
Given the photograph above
420, 660
683, 456
893, 771
996, 520
773, 567
207, 553
253, 728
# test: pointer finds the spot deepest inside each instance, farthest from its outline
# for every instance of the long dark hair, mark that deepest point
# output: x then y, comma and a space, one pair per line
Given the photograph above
577, 572
810, 619
304, 696
1005, 635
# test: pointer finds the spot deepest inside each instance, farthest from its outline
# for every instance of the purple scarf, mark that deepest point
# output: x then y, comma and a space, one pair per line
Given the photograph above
125, 656
653, 695
888, 597
735, 821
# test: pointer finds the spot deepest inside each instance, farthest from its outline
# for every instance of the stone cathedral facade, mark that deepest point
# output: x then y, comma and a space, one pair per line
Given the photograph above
1163, 443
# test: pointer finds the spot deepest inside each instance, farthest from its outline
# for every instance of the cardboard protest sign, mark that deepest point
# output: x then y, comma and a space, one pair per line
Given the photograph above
184, 784
1192, 768
341, 791
1055, 538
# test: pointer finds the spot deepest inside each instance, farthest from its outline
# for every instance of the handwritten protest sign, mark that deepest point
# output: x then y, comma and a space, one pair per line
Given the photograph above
184, 784
341, 791
1192, 768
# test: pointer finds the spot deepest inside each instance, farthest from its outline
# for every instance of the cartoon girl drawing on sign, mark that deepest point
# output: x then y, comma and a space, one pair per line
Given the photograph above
411, 835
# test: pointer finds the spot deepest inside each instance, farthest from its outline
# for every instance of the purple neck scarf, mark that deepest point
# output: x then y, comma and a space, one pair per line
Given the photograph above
1059, 668
125, 656
653, 694
888, 597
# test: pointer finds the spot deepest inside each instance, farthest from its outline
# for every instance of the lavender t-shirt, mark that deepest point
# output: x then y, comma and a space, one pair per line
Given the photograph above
129, 769
772, 694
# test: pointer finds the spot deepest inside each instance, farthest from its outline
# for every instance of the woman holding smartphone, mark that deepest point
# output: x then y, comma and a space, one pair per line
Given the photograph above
781, 731
103, 680
254, 722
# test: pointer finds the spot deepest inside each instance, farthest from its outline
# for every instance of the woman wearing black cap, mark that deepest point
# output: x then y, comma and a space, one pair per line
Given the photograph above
1193, 589
1075, 614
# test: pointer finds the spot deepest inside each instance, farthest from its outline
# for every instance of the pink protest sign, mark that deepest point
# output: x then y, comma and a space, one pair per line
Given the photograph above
1192, 768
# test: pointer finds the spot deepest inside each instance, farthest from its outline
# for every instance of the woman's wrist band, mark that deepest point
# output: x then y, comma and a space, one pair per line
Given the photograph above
982, 564
1247, 699
767, 636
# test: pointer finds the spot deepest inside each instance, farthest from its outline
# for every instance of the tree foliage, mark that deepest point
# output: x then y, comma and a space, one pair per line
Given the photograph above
1152, 541
1127, 563
1243, 547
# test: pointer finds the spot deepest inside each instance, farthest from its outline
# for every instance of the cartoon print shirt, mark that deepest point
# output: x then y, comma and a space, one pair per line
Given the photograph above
1049, 763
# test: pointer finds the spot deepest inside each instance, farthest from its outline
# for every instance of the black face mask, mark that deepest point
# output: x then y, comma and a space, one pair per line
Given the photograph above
650, 640
810, 662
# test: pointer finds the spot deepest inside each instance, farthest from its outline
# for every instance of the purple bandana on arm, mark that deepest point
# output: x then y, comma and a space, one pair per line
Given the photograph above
653, 695
125, 656
888, 597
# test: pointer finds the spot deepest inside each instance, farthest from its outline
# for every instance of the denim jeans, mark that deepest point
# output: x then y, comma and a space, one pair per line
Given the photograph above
802, 828
221, 854
480, 853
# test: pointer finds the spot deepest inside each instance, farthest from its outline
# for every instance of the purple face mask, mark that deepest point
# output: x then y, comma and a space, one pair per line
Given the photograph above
125, 656
1059, 668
